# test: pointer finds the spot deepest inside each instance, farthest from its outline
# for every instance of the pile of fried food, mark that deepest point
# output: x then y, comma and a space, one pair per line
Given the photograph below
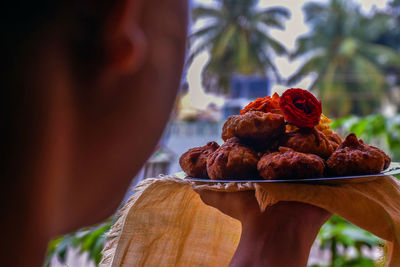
282, 137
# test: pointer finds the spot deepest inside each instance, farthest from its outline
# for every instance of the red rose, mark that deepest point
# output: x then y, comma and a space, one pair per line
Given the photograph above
300, 108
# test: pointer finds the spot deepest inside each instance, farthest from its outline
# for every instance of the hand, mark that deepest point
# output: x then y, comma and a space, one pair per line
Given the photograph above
238, 205
280, 236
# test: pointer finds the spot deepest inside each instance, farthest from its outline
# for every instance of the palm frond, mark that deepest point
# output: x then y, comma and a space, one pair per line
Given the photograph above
275, 12
369, 73
310, 66
313, 10
326, 79
206, 12
381, 54
270, 42
223, 41
325, 75
205, 31
239, 7
304, 45
272, 17
271, 22
242, 55
267, 62
204, 45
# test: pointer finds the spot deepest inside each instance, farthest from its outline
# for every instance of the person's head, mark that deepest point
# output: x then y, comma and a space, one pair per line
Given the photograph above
87, 88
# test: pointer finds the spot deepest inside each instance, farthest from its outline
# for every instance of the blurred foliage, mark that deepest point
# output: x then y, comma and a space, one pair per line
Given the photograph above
342, 52
90, 240
237, 38
375, 129
338, 233
391, 37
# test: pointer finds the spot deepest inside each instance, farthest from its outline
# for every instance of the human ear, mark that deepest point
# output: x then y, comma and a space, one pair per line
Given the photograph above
124, 40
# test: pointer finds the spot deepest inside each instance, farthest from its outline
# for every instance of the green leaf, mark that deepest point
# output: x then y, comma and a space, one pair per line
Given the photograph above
89, 240
51, 250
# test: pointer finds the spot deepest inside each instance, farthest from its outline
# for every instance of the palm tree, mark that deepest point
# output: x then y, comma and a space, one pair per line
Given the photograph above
344, 58
236, 36
391, 37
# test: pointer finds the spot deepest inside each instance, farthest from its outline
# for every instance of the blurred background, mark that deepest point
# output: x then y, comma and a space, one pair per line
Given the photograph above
345, 52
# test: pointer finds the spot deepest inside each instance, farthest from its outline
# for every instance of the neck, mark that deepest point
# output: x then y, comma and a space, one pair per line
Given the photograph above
24, 235
32, 213
32, 180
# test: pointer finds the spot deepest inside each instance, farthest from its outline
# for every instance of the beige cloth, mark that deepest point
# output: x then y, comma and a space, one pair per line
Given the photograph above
165, 223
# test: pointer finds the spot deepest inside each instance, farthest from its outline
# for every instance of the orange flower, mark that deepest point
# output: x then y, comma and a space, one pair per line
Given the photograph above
323, 126
265, 104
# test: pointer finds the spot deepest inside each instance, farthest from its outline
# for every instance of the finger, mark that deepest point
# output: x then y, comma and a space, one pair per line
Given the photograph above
300, 210
234, 204
212, 198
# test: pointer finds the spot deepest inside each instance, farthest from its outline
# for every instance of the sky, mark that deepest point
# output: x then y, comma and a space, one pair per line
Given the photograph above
295, 27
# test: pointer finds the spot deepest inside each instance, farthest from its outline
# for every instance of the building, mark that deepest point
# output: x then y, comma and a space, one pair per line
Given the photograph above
245, 88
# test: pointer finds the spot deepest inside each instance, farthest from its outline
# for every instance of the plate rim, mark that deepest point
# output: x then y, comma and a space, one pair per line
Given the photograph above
393, 169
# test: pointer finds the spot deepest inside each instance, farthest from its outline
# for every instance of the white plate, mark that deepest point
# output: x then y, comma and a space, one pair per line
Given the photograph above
393, 169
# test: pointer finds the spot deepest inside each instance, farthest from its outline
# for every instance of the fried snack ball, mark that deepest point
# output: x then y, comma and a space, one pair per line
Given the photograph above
353, 157
335, 138
194, 161
322, 127
311, 141
254, 125
233, 160
289, 164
